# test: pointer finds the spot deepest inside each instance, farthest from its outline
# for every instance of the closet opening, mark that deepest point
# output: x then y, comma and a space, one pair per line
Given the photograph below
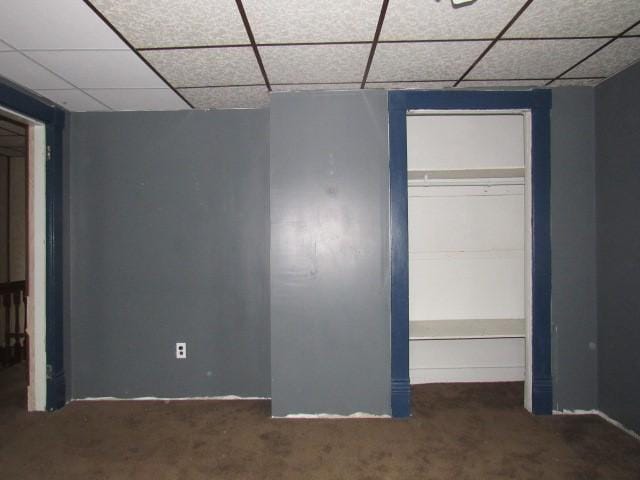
469, 246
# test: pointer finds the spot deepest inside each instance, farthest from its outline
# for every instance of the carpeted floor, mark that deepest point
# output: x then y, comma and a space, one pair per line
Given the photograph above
458, 431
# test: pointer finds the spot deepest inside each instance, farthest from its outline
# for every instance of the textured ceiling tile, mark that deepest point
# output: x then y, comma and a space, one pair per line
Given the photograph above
410, 85
611, 59
99, 68
74, 100
290, 21
140, 99
532, 59
315, 86
428, 19
315, 63
207, 67
634, 31
166, 23
556, 18
501, 83
4, 47
227, 97
423, 61
577, 82
21, 70
59, 25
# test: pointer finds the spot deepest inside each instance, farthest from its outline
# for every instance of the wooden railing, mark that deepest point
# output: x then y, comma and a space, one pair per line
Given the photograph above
14, 339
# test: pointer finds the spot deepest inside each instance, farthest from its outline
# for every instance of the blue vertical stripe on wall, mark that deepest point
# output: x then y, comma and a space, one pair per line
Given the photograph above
539, 103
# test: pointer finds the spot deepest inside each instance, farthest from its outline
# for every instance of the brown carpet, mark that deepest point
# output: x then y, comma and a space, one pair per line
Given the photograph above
458, 431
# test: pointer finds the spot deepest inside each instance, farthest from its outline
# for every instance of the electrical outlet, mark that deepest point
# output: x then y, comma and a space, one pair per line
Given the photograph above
181, 350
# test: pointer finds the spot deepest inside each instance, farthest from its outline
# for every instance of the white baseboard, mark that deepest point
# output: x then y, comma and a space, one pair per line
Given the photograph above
602, 415
164, 399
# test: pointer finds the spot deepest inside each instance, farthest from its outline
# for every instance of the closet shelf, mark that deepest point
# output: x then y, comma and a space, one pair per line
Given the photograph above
467, 176
466, 329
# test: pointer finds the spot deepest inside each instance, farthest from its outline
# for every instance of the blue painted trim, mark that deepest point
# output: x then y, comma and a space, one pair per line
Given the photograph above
400, 392
539, 103
53, 118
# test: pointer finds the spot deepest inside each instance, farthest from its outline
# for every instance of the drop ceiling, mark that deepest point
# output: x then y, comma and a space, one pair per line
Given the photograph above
100, 55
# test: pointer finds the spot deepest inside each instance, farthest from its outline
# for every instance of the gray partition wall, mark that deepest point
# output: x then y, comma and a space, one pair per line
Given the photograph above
618, 200
573, 250
330, 330
169, 242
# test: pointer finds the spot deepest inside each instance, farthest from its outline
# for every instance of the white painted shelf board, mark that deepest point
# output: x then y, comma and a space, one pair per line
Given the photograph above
466, 329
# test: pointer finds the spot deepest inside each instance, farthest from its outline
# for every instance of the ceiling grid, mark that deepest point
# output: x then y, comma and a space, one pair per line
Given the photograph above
92, 55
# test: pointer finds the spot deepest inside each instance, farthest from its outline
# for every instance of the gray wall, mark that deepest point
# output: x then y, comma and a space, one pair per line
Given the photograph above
330, 327
169, 241
618, 219
573, 252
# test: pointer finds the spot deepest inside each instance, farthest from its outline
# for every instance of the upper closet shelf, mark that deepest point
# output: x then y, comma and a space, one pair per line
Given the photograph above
467, 176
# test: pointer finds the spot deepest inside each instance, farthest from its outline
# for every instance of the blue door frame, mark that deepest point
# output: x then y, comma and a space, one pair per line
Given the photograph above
53, 119
538, 102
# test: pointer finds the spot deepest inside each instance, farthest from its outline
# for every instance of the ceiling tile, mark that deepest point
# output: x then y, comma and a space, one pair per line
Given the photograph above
410, 85
577, 82
532, 59
556, 18
634, 31
315, 63
501, 83
141, 99
37, 25
423, 61
611, 59
207, 67
99, 68
227, 97
168, 23
295, 21
19, 69
423, 20
73, 100
4, 47
315, 86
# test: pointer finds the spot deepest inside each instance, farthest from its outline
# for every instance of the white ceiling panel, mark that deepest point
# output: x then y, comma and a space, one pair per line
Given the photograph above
501, 83
532, 59
227, 97
99, 68
141, 99
207, 67
577, 82
428, 19
171, 23
295, 21
315, 86
634, 31
410, 85
611, 59
315, 63
19, 69
423, 61
566, 18
59, 25
4, 47
73, 100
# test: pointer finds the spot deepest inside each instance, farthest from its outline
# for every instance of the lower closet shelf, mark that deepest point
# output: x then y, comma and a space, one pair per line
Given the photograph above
466, 329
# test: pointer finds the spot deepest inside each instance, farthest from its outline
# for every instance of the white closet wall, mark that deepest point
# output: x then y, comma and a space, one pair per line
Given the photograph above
466, 247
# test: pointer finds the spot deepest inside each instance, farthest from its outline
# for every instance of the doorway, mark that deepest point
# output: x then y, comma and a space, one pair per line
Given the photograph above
13, 263
469, 245
533, 105
22, 153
